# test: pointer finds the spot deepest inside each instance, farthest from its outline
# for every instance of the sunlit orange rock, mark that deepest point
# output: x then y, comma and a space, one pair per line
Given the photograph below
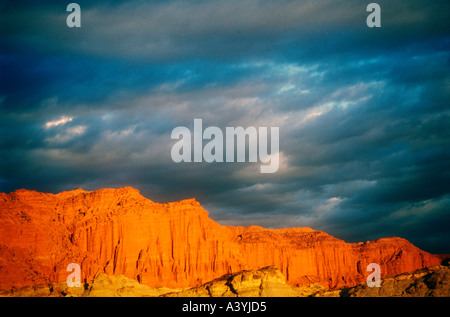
118, 231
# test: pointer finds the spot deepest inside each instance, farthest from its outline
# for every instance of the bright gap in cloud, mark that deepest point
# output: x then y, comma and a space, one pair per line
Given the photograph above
329, 205
63, 120
68, 134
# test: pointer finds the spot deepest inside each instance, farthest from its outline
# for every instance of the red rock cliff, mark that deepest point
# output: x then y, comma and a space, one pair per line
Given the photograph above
118, 231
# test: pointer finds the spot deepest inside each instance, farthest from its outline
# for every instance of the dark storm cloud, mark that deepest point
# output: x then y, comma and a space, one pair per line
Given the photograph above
363, 113
223, 29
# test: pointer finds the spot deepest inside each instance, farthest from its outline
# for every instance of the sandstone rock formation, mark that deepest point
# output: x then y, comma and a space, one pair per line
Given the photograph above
265, 282
175, 245
429, 282
102, 285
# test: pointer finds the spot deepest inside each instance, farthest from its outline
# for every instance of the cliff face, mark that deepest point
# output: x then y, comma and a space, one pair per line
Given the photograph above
120, 232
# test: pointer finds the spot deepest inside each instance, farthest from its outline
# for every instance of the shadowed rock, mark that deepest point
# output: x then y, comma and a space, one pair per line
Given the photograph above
265, 282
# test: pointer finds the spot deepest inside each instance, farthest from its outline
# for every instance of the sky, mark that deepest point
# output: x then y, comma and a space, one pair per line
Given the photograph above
363, 113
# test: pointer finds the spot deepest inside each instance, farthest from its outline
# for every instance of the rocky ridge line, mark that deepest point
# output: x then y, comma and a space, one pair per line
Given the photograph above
175, 245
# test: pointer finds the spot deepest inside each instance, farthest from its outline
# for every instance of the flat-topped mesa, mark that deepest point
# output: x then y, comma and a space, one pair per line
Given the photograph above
120, 232
185, 205
104, 193
26, 195
71, 193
